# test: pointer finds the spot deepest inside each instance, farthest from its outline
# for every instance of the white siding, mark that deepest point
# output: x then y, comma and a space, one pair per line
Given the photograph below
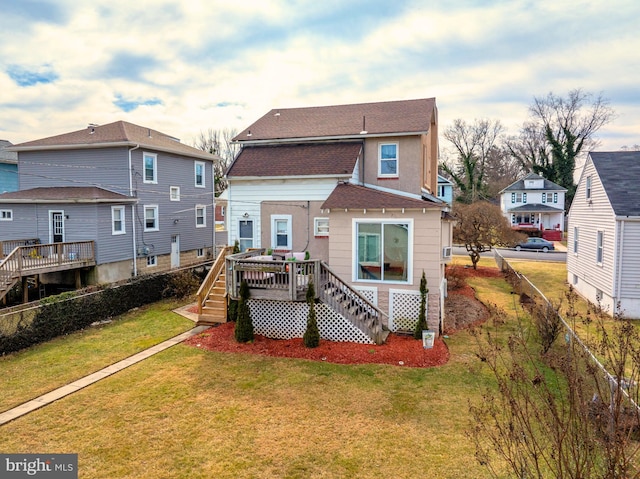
245, 197
591, 216
628, 276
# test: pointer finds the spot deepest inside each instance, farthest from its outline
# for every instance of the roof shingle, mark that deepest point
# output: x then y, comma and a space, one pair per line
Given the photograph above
350, 196
619, 172
119, 132
298, 160
404, 116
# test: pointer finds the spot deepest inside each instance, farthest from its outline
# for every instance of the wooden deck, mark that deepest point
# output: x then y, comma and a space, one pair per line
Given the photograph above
36, 259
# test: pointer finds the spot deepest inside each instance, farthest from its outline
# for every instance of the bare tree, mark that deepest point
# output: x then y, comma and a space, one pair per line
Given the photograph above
481, 225
567, 126
501, 170
560, 415
473, 144
218, 142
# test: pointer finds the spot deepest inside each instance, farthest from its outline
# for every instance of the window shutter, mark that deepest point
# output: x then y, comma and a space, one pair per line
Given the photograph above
513, 197
555, 197
524, 197
544, 197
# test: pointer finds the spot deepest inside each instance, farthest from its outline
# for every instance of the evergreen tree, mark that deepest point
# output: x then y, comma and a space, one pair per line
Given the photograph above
244, 326
311, 338
422, 315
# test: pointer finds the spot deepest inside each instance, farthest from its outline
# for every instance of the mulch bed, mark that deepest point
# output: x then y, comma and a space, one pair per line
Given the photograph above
398, 350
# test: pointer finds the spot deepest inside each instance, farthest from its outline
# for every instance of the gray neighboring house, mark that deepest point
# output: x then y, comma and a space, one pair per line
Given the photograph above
139, 194
8, 168
603, 257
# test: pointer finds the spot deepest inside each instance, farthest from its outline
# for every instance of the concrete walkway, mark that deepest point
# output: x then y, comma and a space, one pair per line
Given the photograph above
63, 391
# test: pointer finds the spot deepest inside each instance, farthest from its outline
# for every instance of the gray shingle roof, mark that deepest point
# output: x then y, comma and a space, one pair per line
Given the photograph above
116, 133
519, 185
404, 116
619, 172
534, 208
66, 194
5, 155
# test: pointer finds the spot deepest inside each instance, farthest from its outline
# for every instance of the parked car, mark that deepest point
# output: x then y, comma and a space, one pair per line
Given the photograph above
535, 243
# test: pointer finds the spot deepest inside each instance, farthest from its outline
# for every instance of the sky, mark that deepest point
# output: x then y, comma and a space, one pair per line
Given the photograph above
184, 67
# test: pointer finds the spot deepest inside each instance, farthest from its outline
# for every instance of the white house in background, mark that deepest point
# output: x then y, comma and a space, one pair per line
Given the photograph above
603, 258
445, 190
534, 203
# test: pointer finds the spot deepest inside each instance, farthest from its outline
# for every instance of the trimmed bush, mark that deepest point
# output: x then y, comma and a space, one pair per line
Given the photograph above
244, 325
311, 338
422, 315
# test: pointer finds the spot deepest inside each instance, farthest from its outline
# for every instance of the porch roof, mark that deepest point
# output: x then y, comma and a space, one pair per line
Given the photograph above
535, 208
347, 195
66, 194
297, 160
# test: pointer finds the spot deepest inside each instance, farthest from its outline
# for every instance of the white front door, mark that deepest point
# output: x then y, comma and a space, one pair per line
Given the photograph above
175, 251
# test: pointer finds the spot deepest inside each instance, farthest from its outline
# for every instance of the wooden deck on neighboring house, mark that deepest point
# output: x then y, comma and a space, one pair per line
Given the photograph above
31, 260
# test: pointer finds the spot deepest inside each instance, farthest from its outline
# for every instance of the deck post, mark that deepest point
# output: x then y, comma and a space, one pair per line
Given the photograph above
25, 289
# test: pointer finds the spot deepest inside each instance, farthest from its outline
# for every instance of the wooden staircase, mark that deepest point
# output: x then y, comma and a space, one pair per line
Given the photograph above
212, 295
8, 280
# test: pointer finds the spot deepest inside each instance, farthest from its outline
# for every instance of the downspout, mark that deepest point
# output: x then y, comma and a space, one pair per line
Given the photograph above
213, 195
620, 251
133, 214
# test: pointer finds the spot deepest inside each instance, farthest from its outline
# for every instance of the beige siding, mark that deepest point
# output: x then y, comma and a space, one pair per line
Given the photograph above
427, 253
409, 164
591, 216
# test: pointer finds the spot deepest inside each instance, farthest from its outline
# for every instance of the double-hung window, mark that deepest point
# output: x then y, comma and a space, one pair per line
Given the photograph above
201, 216
383, 250
151, 218
117, 220
600, 247
6, 215
150, 168
281, 231
388, 160
199, 170
588, 188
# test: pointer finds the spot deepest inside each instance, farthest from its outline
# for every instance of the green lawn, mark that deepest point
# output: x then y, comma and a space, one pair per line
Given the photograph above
188, 413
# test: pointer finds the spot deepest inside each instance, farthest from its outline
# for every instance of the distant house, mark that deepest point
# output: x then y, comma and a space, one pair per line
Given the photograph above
355, 186
534, 204
603, 258
8, 168
142, 198
445, 190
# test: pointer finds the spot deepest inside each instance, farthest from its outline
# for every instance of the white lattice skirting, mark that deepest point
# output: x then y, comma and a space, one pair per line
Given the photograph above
404, 309
286, 320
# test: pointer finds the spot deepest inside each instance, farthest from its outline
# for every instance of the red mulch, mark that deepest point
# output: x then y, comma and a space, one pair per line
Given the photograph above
398, 350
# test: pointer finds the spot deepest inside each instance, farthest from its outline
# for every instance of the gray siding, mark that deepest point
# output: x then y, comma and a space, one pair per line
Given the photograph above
103, 167
175, 217
112, 247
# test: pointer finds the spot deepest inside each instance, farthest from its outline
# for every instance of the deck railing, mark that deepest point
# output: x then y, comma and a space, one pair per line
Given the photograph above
7, 246
214, 273
54, 256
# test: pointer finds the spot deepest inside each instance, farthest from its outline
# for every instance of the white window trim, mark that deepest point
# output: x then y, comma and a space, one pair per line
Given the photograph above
588, 188
388, 175
576, 240
157, 216
6, 215
176, 196
274, 242
204, 216
152, 261
600, 247
122, 231
316, 231
199, 252
154, 180
354, 248
204, 174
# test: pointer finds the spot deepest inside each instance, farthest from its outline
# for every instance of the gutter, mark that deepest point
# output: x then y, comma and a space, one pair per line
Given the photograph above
326, 138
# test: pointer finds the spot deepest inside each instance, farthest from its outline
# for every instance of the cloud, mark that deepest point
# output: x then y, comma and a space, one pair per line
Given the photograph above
25, 77
130, 105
